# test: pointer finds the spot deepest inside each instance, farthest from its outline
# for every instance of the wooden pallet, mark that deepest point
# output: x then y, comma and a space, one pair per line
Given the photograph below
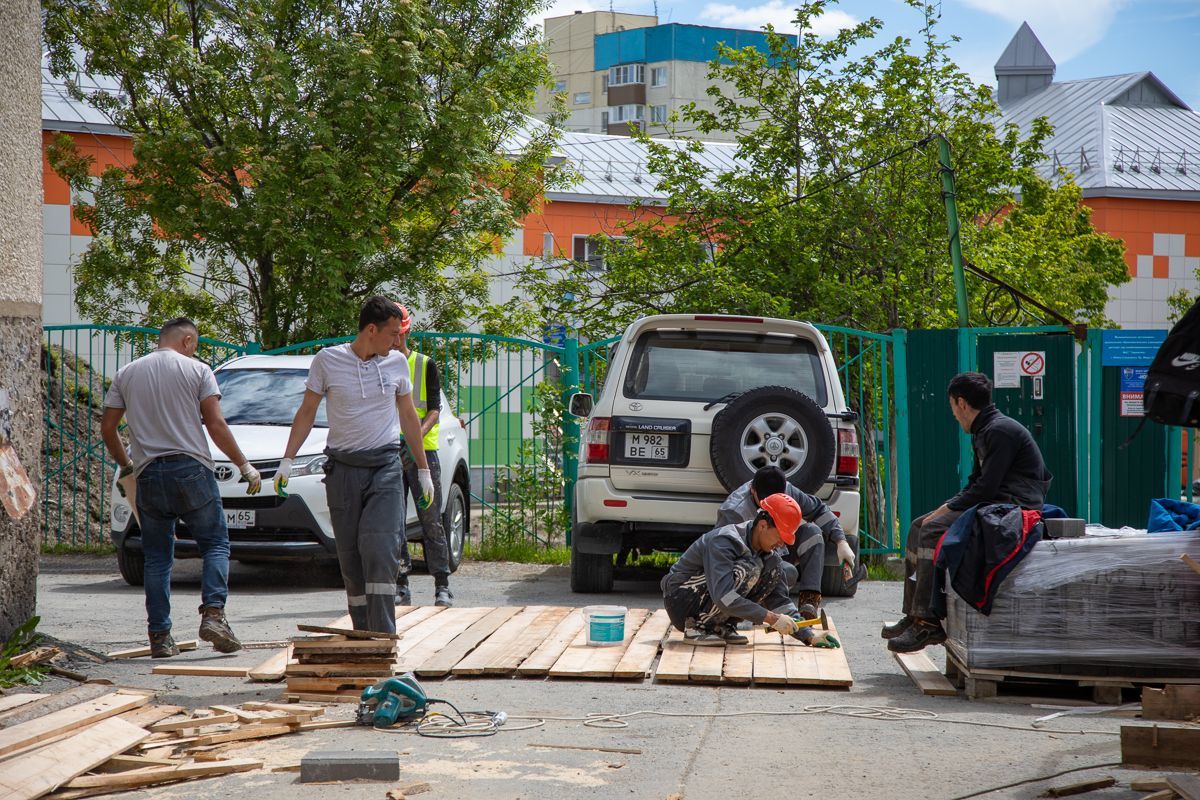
550, 641
982, 684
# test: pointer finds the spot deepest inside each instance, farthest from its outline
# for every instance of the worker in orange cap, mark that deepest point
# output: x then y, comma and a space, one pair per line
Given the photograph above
733, 573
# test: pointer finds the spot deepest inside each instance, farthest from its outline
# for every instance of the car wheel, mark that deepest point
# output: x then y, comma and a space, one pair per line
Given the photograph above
456, 523
772, 426
832, 582
132, 564
590, 573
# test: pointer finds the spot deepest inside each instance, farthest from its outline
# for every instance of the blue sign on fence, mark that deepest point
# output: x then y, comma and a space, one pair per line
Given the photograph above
1133, 379
1130, 348
554, 335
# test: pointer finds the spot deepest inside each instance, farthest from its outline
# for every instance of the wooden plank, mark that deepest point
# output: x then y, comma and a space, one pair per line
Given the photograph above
197, 722
326, 724
922, 672
271, 668
739, 665
142, 652
349, 633
323, 698
201, 671
815, 666
1082, 787
527, 641
581, 660
708, 663
260, 731
151, 777
1156, 746
339, 670
1148, 784
11, 701
318, 685
1186, 786
1171, 702
289, 708
123, 763
70, 719
770, 666
49, 703
451, 623
639, 657
150, 714
498, 642
356, 647
1191, 562
445, 660
542, 658
1165, 794
49, 767
676, 660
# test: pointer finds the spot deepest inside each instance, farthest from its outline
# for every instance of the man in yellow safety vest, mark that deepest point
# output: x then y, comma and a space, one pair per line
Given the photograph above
427, 397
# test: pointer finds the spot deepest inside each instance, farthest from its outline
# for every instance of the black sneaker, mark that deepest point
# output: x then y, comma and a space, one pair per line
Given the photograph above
162, 645
703, 637
732, 635
215, 628
921, 634
442, 596
897, 628
403, 595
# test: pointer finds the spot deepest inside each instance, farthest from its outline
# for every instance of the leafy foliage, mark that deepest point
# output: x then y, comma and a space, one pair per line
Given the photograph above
306, 153
23, 638
835, 212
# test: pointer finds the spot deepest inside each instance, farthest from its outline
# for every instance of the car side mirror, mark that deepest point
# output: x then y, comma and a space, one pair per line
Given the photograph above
581, 404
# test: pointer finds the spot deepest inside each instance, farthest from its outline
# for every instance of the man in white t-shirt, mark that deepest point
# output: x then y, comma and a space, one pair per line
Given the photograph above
166, 396
368, 402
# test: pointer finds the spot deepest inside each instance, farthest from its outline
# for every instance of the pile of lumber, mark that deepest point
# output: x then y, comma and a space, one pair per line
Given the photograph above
97, 739
335, 665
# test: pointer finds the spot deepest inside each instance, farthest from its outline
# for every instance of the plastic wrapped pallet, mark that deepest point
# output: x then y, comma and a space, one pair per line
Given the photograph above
1109, 602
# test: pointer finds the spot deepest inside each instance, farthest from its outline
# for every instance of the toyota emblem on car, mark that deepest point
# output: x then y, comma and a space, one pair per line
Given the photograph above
224, 472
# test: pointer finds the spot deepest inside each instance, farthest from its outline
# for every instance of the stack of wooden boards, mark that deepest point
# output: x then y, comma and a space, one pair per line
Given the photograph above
537, 641
340, 664
95, 740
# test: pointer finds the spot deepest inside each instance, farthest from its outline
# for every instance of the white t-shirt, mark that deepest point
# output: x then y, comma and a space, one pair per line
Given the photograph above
161, 394
360, 396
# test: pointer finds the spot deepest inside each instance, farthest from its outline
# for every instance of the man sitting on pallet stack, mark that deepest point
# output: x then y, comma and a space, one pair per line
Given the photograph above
807, 553
733, 573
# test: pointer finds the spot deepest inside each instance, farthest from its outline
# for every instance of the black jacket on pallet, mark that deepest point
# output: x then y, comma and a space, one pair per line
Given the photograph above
1008, 465
979, 551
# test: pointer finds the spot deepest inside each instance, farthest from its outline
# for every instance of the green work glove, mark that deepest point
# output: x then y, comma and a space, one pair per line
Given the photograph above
281, 477
426, 480
824, 639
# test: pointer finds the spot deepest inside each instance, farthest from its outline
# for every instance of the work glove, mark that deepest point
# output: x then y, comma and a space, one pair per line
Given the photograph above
785, 625
281, 477
846, 556
822, 639
252, 477
426, 481
124, 473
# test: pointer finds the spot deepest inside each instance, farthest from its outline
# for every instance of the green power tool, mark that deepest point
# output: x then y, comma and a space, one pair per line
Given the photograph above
393, 700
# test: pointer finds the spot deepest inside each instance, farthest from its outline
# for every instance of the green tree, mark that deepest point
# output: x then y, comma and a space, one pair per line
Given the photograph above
834, 211
306, 153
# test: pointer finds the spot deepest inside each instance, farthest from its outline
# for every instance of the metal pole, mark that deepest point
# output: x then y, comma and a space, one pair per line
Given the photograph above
948, 196
903, 451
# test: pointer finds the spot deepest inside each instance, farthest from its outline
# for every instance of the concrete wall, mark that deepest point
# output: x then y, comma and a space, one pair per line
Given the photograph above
21, 289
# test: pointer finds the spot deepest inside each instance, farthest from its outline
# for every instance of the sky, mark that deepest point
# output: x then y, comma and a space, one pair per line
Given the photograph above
1086, 38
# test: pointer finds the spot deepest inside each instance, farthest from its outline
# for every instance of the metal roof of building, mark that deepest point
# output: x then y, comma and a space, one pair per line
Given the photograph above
62, 113
1122, 135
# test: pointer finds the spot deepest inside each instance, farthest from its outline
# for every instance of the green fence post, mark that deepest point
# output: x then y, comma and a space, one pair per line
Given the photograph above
903, 451
570, 455
966, 363
1096, 456
1174, 462
1082, 428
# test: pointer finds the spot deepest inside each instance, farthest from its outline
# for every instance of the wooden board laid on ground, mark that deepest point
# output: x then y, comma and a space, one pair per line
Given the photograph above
1160, 746
45, 769
927, 677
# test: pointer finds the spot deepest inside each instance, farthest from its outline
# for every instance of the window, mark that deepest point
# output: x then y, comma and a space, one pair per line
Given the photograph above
658, 76
583, 98
627, 73
547, 245
627, 113
705, 365
264, 396
590, 250
658, 114
604, 83
604, 122
560, 86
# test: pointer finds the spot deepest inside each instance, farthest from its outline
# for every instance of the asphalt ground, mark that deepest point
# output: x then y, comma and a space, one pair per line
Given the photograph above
798, 743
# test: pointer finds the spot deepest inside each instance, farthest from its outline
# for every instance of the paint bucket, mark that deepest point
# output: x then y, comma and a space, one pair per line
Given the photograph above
605, 625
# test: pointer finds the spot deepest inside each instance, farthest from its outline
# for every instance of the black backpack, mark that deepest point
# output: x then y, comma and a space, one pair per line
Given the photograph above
1172, 393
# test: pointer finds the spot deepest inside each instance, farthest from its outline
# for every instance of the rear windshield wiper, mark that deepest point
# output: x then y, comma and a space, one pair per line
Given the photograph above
724, 399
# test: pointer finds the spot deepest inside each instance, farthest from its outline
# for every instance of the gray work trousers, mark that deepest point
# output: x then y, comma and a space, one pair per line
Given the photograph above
437, 550
808, 555
365, 491
923, 538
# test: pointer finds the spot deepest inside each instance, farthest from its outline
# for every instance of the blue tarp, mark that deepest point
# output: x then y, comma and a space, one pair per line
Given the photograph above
1173, 515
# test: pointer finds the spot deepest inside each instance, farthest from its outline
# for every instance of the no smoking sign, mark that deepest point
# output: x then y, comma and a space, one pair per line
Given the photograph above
1033, 364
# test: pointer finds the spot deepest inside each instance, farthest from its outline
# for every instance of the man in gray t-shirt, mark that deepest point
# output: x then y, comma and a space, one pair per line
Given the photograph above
368, 401
167, 396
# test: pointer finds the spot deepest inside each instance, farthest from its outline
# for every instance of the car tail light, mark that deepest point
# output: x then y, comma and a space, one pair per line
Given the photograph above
597, 440
847, 463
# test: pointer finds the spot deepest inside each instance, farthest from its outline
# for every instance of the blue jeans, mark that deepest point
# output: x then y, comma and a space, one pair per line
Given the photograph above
180, 488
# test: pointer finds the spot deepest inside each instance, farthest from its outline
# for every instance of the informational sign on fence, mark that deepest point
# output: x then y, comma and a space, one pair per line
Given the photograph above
1133, 383
1009, 367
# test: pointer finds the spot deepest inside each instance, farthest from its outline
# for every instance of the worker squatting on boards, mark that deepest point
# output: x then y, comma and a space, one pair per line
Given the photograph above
427, 397
807, 554
1008, 468
166, 395
734, 573
366, 389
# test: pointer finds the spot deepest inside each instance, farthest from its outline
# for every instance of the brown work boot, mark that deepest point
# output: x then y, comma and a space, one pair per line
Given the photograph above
162, 645
214, 628
809, 604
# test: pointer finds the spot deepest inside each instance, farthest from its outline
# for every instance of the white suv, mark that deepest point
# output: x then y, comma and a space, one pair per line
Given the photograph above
259, 398
691, 407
